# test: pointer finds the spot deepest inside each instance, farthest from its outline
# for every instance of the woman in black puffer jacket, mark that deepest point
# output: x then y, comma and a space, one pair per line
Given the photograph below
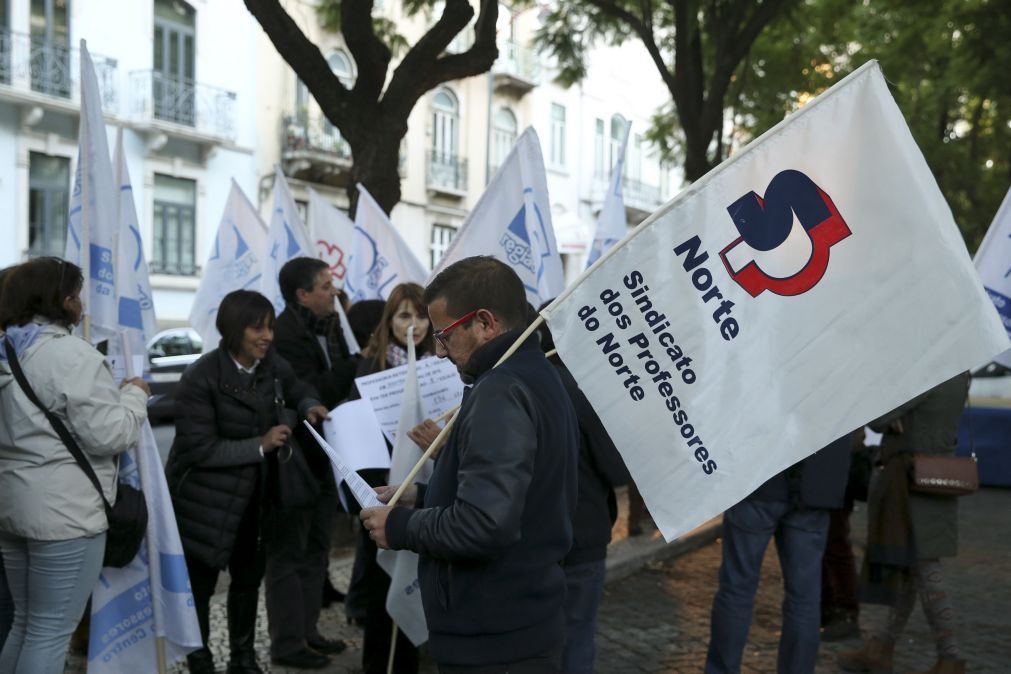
226, 427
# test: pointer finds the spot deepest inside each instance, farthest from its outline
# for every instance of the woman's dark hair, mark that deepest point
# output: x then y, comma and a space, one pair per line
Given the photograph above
241, 309
383, 333
364, 316
38, 288
480, 282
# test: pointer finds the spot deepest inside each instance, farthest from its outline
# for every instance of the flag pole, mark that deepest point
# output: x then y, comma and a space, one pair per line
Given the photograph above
393, 649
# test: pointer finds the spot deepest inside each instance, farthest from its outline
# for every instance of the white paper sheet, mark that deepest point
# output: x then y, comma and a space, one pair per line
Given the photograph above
363, 493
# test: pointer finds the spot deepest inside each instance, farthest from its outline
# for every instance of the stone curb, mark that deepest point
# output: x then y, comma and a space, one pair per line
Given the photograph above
627, 556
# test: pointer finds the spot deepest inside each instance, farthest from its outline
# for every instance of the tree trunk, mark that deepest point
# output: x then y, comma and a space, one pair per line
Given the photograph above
377, 167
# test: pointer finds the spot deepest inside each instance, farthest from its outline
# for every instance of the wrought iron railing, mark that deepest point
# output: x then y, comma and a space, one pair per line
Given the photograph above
446, 171
518, 61
177, 100
636, 194
304, 133
34, 64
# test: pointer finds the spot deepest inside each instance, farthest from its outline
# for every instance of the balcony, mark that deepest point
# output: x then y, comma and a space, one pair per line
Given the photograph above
45, 75
447, 174
517, 70
312, 149
182, 107
640, 198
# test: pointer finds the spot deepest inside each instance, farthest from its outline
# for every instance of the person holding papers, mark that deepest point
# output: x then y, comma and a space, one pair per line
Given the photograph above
227, 427
495, 521
52, 520
308, 335
369, 586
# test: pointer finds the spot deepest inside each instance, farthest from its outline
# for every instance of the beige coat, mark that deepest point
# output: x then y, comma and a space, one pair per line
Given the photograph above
44, 494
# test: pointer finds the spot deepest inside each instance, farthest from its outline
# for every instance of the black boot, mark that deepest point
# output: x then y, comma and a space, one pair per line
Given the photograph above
242, 632
200, 661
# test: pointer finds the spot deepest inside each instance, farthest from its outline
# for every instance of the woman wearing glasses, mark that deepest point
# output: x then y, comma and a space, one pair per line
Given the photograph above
366, 598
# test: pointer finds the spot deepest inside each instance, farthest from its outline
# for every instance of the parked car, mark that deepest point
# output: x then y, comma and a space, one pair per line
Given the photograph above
985, 427
171, 352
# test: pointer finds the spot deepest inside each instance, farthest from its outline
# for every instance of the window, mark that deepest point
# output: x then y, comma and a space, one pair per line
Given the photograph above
558, 135
340, 65
635, 158
48, 204
598, 149
174, 57
175, 206
618, 127
506, 130
445, 123
442, 236
50, 47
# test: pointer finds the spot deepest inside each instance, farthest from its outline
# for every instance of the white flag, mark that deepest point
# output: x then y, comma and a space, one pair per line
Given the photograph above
512, 222
812, 282
150, 597
380, 258
287, 238
331, 232
92, 219
993, 262
235, 263
611, 224
133, 286
403, 600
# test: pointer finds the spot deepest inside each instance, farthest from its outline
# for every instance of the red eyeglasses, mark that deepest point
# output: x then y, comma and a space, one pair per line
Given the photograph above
440, 335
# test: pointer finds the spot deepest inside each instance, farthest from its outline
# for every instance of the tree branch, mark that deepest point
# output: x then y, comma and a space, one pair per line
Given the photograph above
372, 57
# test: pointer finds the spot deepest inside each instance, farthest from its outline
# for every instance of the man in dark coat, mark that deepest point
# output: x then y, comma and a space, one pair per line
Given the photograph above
495, 520
308, 335
793, 506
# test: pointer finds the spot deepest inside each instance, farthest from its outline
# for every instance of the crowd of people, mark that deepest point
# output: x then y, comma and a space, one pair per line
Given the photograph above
511, 529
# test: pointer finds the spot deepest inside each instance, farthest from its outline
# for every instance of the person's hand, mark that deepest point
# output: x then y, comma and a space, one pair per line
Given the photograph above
139, 383
374, 521
317, 414
274, 438
408, 498
424, 434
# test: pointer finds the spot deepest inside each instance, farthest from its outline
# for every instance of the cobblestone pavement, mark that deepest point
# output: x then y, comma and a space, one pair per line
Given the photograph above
657, 619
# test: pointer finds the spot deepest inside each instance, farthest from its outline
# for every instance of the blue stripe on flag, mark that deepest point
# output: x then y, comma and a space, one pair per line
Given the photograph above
121, 616
1003, 305
174, 576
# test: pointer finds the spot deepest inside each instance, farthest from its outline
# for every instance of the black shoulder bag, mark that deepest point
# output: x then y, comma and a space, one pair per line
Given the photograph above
297, 486
128, 517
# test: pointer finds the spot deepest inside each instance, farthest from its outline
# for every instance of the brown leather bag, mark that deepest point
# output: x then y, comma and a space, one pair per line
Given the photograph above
944, 475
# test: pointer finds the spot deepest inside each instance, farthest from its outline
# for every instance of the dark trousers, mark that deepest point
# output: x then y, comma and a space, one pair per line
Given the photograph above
6, 606
584, 587
545, 664
839, 570
298, 553
800, 541
245, 567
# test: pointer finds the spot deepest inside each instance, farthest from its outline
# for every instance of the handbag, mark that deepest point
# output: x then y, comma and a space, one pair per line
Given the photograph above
944, 475
296, 485
128, 517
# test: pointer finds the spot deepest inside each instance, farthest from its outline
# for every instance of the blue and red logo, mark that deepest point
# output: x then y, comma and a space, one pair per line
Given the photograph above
785, 237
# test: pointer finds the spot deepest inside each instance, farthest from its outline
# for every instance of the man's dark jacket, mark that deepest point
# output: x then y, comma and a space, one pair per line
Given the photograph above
221, 417
496, 517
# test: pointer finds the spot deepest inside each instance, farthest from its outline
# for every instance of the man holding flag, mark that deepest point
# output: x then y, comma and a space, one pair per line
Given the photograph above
496, 518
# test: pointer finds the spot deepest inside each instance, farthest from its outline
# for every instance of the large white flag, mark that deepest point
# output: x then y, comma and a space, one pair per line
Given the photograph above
993, 262
813, 282
133, 285
403, 600
287, 238
380, 258
150, 597
92, 222
512, 222
611, 224
235, 263
331, 232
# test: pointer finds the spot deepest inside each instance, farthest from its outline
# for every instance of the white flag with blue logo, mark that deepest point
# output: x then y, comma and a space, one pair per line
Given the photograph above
287, 238
380, 258
92, 223
993, 262
235, 263
403, 600
512, 222
807, 285
133, 286
332, 232
150, 597
611, 223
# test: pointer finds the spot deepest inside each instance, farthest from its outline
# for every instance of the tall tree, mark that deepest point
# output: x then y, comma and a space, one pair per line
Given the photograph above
696, 46
372, 114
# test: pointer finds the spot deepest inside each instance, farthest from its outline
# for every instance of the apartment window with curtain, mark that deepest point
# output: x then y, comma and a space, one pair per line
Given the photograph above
506, 129
175, 25
442, 236
557, 155
598, 149
618, 125
48, 204
50, 67
175, 225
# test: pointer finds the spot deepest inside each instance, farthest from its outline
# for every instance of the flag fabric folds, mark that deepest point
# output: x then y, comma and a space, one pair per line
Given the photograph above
331, 232
287, 238
993, 262
403, 600
804, 287
512, 222
611, 223
235, 263
380, 258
